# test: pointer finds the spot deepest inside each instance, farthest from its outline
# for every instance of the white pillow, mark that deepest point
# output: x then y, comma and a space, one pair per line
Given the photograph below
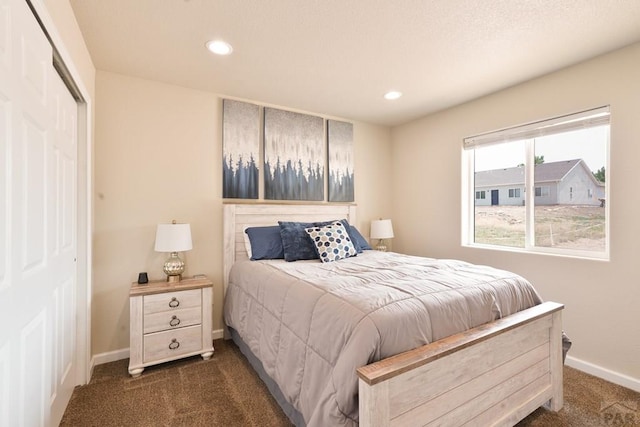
247, 242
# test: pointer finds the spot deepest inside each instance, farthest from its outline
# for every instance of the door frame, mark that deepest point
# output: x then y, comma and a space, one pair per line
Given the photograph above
63, 62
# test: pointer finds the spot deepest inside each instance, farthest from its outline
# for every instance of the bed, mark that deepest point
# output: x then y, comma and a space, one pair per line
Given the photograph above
494, 372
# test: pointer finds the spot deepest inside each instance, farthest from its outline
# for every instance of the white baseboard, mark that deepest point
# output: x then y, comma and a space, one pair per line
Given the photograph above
123, 353
110, 356
604, 373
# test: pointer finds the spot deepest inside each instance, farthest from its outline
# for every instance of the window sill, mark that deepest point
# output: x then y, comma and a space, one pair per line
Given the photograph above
562, 253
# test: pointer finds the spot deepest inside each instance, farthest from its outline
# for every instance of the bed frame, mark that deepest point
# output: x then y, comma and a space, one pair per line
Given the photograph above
494, 374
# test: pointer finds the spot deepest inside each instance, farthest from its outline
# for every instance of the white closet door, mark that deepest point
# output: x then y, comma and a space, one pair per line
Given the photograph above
62, 180
38, 146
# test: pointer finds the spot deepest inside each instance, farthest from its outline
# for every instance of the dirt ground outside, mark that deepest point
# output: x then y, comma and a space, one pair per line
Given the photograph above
559, 226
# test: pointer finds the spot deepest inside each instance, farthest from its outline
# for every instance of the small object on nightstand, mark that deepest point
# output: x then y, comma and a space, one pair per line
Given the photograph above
143, 279
381, 229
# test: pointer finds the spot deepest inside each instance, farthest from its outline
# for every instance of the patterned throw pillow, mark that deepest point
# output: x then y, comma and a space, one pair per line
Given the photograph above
332, 242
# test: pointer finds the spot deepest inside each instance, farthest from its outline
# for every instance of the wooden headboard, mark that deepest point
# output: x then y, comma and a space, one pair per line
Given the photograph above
237, 217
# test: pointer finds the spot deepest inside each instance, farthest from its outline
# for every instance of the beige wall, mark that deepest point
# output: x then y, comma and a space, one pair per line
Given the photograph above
158, 157
602, 298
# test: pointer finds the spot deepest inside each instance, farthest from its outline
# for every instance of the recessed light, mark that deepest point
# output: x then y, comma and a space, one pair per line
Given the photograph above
219, 47
394, 94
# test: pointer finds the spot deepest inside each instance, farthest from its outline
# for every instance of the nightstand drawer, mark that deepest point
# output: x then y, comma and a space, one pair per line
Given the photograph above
172, 301
169, 344
178, 318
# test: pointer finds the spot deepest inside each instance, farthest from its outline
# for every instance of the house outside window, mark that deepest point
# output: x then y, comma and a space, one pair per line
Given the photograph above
548, 179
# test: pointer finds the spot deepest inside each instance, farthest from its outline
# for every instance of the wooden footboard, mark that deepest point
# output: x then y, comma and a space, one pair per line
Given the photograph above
495, 374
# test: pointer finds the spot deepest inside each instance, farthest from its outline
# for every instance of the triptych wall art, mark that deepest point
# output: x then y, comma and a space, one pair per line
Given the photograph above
295, 152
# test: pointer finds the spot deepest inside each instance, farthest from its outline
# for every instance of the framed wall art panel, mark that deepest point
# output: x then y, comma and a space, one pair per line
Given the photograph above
240, 149
341, 175
294, 156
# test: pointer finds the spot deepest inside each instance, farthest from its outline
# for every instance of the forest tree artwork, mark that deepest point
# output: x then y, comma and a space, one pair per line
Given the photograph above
340, 141
240, 149
294, 156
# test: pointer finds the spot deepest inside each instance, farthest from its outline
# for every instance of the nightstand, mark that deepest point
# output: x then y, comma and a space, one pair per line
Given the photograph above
169, 321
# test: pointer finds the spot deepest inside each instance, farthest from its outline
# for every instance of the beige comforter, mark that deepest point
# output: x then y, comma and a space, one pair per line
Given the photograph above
312, 324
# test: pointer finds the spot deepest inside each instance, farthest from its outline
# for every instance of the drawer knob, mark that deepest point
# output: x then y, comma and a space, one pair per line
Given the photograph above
174, 321
174, 302
174, 344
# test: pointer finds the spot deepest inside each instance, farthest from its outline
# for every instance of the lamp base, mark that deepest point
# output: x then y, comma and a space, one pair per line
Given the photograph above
381, 246
173, 268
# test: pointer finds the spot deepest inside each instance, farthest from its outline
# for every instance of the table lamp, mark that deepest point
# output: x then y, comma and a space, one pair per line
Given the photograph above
381, 229
173, 238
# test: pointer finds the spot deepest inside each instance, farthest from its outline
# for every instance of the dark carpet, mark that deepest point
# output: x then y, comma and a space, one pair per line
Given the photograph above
225, 391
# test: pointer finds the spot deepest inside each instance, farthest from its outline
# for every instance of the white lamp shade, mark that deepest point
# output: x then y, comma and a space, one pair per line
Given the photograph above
173, 238
381, 229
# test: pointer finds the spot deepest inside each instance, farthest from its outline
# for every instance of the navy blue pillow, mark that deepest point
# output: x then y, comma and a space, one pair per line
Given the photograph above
358, 240
296, 242
266, 242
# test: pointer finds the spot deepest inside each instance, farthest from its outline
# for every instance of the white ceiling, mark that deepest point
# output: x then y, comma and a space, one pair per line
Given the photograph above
338, 57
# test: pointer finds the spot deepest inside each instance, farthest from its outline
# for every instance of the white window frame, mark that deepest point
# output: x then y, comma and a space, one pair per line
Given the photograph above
584, 119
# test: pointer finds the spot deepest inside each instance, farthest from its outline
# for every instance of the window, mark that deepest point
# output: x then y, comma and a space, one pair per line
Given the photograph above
551, 181
480, 195
542, 191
